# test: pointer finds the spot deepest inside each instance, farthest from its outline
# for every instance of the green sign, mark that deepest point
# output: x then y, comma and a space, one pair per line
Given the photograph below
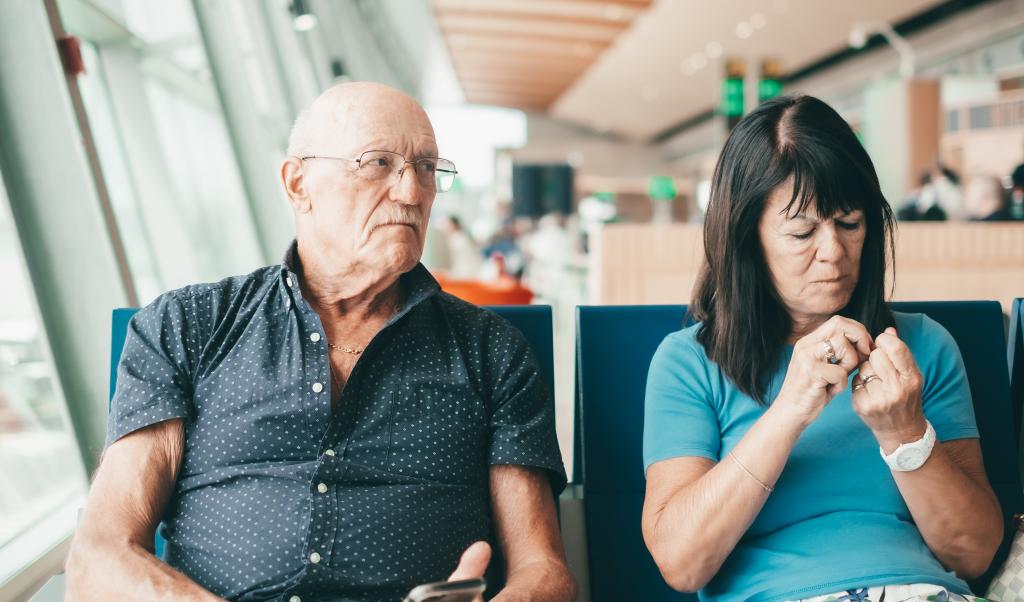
661, 188
732, 97
768, 88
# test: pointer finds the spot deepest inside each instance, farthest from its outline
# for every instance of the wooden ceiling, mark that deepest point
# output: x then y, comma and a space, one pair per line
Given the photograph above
524, 53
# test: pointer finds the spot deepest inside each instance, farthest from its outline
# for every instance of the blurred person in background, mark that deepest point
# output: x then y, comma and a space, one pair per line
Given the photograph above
1016, 208
465, 254
922, 204
948, 194
801, 440
505, 243
985, 200
334, 427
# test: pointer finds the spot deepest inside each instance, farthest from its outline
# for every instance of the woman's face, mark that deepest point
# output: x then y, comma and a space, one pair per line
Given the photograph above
814, 260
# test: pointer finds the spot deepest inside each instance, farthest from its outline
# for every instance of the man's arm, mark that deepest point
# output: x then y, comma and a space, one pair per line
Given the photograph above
111, 556
527, 530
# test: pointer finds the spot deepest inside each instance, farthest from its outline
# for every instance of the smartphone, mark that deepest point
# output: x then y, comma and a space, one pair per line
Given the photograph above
447, 591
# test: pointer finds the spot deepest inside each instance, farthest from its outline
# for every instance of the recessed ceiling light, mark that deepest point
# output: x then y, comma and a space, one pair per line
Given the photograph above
304, 22
744, 30
758, 20
698, 60
713, 50
687, 68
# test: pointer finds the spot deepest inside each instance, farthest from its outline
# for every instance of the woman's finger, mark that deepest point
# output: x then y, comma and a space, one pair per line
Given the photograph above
882, 367
852, 331
839, 351
897, 352
833, 378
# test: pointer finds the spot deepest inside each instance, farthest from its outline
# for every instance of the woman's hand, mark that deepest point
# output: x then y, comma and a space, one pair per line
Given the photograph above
887, 393
821, 366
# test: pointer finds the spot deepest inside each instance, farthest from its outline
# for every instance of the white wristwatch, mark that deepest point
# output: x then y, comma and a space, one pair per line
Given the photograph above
911, 456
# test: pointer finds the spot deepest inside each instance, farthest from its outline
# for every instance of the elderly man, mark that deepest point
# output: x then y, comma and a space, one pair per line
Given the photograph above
333, 428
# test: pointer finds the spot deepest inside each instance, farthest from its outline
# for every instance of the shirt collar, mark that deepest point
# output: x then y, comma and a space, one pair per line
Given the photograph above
418, 284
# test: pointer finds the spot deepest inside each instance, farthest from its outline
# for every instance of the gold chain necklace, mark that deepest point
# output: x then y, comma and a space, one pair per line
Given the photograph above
350, 350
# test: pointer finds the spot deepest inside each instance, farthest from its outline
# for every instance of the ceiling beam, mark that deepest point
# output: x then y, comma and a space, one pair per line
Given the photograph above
603, 12
521, 66
455, 24
526, 44
512, 77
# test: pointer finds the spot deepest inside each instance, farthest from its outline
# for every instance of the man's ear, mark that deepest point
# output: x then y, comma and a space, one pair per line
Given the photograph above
293, 176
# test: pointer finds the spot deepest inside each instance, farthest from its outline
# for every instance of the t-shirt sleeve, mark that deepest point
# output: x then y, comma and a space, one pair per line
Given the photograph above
946, 394
153, 376
679, 415
523, 418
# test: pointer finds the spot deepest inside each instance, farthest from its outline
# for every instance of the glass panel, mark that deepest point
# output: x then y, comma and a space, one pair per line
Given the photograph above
40, 465
165, 152
123, 194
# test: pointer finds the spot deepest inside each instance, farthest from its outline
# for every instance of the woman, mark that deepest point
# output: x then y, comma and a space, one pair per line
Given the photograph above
771, 424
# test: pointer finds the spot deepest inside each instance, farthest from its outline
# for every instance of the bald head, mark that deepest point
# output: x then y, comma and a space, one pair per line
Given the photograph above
349, 116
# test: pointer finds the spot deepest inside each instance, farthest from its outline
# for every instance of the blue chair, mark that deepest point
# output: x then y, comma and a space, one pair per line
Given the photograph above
534, 321
1015, 361
614, 349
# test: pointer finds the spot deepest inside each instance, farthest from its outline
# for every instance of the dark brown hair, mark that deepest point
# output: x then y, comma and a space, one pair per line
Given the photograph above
745, 324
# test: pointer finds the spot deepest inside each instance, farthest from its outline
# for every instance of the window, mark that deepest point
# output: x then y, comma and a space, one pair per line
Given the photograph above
40, 464
164, 149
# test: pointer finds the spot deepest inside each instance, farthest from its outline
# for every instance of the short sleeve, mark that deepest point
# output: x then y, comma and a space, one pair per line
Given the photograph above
153, 382
946, 394
679, 415
523, 418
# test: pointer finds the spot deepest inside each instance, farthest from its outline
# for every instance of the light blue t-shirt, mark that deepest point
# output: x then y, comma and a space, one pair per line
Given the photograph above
836, 519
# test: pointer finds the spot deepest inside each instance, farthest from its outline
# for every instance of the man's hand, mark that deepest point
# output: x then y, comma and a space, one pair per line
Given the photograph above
473, 563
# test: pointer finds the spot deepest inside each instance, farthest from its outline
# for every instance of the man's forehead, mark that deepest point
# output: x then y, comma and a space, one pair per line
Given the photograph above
355, 133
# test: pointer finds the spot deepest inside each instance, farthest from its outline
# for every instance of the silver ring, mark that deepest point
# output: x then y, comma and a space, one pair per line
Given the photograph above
857, 386
830, 352
869, 378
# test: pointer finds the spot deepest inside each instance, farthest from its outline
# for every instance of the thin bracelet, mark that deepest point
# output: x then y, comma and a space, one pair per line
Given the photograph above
759, 481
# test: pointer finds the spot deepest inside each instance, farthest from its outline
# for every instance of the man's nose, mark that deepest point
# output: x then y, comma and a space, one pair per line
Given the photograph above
405, 187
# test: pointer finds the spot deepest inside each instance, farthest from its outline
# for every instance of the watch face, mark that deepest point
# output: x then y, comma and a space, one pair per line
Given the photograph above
909, 459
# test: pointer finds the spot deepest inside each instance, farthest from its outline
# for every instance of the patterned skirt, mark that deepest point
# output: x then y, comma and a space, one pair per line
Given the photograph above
895, 593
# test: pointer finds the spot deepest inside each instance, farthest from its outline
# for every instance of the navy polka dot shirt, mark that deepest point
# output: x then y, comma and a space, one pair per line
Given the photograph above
278, 499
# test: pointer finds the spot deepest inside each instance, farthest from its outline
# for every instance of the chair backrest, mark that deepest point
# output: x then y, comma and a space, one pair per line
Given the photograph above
1015, 361
614, 349
614, 346
534, 321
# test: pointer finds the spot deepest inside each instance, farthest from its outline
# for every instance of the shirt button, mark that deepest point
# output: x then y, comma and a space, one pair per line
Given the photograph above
314, 337
287, 303
322, 487
314, 558
329, 452
289, 281
295, 599
317, 387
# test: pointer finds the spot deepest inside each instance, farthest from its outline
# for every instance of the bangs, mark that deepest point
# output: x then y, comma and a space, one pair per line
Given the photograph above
824, 181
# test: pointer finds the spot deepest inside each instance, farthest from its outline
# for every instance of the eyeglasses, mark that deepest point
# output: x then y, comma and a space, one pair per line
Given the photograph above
432, 173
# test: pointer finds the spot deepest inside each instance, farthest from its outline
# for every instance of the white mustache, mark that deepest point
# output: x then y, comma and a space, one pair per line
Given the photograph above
398, 216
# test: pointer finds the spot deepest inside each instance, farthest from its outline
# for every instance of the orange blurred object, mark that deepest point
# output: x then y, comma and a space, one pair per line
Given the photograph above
506, 290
